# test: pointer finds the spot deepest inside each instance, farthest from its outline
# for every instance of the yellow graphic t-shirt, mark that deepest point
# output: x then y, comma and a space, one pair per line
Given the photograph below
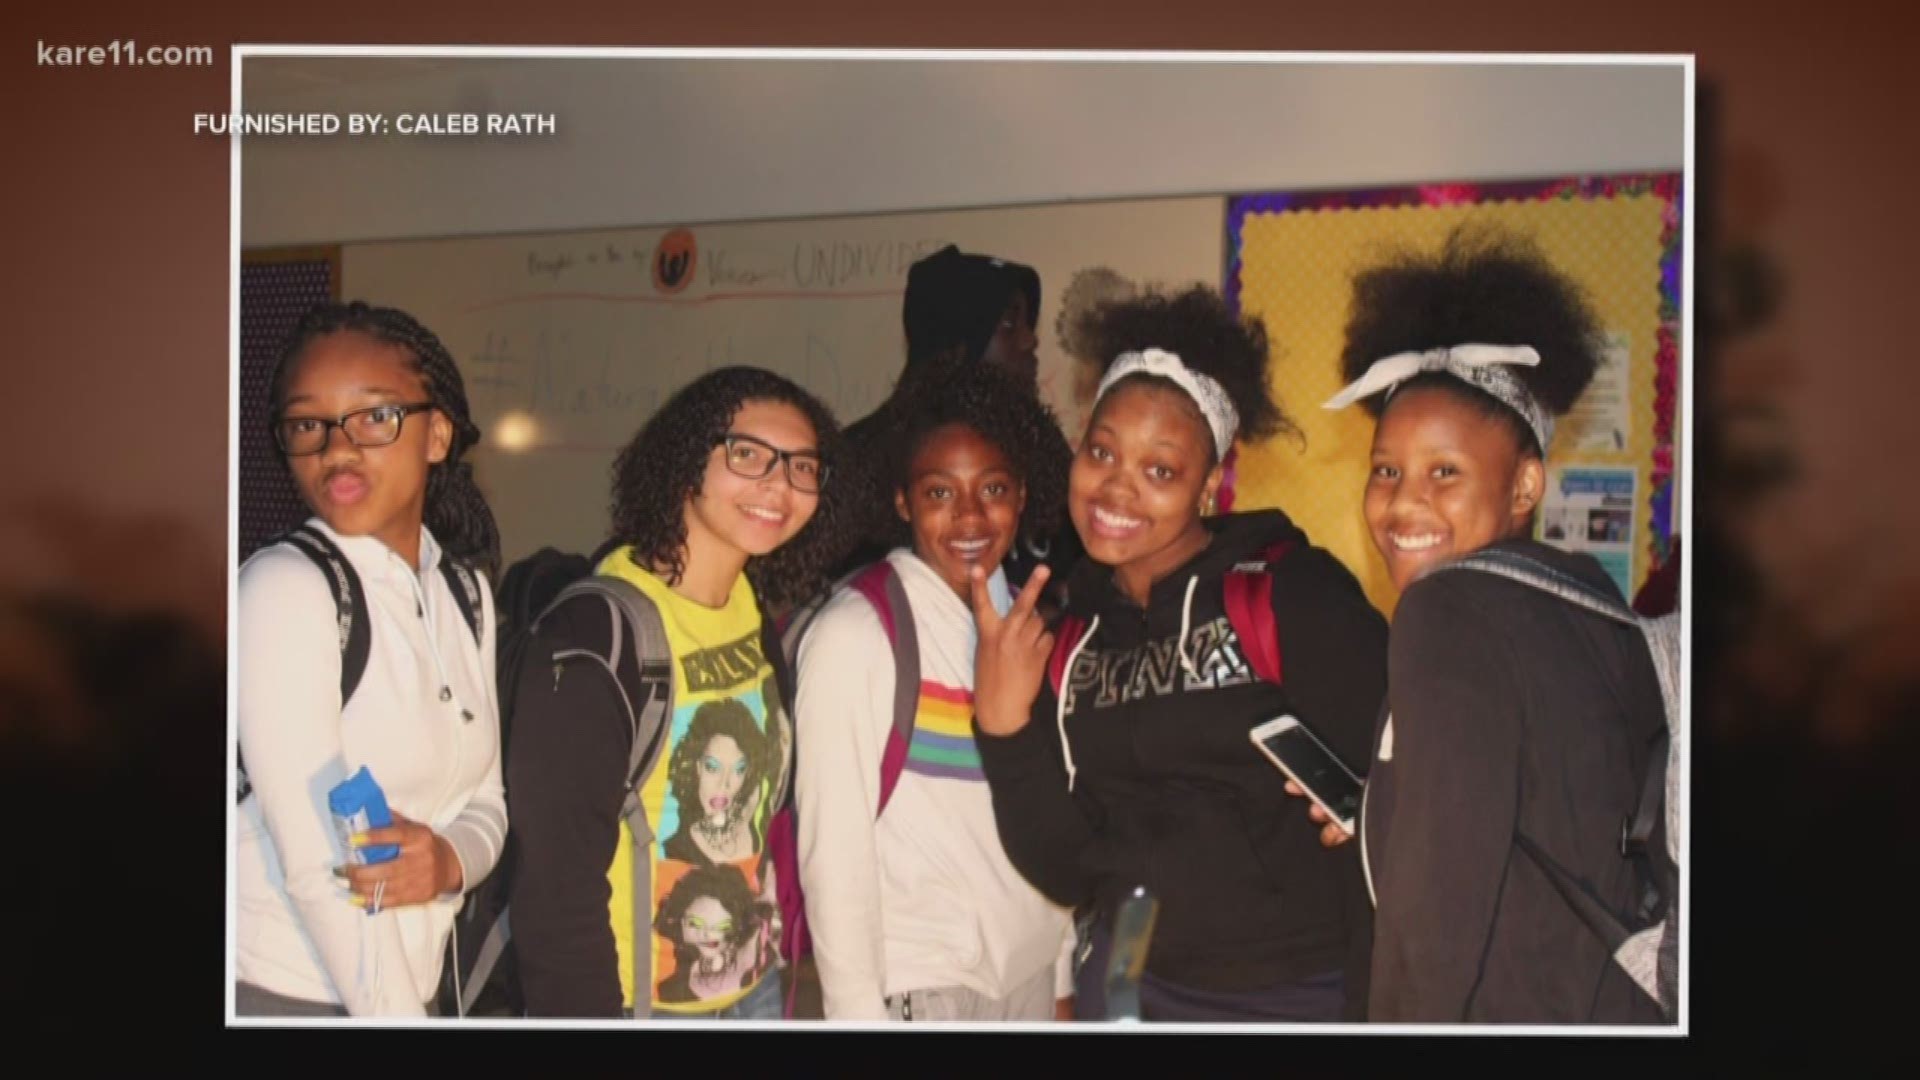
709, 798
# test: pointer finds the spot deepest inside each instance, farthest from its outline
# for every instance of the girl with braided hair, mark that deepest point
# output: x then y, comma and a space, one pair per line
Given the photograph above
370, 413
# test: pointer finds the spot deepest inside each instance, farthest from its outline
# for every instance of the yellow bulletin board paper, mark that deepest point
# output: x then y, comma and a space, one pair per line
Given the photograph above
1292, 261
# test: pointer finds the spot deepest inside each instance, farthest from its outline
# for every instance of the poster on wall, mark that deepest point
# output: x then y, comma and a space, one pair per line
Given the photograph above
1602, 420
1591, 510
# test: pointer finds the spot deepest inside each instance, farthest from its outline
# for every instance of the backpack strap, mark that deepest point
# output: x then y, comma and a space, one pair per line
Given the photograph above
1531, 571
1662, 634
1637, 828
1660, 890
773, 647
1612, 930
492, 948
1605, 924
349, 601
635, 624
655, 656
793, 626
880, 587
1065, 636
780, 644
464, 584
349, 607
1247, 593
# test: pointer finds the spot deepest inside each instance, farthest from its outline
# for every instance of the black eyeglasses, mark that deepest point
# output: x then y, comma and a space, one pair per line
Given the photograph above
755, 459
379, 425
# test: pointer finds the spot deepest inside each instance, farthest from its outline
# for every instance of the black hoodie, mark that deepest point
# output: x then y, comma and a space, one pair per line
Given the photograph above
1513, 712
1168, 791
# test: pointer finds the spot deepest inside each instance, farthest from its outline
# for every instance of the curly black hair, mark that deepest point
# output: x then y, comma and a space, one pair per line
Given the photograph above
1484, 285
666, 462
456, 511
1197, 326
996, 406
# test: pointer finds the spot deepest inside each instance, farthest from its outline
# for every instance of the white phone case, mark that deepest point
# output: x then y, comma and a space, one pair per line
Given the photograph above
1273, 727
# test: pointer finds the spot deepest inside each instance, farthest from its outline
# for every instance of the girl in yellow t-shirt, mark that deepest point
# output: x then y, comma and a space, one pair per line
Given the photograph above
722, 510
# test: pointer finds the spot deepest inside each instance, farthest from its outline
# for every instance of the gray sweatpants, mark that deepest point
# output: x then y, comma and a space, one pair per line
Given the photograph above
1032, 1000
251, 1000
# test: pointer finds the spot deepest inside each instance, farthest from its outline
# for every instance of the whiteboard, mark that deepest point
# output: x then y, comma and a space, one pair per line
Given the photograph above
569, 342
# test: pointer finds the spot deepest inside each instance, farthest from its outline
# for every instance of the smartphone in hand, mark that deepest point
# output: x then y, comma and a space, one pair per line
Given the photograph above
1296, 751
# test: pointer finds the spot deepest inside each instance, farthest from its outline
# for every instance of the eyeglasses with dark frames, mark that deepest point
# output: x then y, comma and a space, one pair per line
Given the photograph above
377, 425
755, 459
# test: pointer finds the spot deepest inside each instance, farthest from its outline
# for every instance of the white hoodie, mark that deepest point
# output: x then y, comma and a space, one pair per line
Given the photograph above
296, 932
925, 896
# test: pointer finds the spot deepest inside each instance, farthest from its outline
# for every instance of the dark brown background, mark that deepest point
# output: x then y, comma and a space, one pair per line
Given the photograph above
113, 504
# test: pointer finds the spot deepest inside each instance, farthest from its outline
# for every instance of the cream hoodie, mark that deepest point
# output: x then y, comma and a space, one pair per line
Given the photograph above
924, 897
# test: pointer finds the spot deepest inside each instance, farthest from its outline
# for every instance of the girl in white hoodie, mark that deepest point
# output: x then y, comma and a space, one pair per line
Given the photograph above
370, 411
914, 910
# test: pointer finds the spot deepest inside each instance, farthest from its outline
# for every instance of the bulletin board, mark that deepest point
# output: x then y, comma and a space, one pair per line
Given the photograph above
277, 287
1291, 260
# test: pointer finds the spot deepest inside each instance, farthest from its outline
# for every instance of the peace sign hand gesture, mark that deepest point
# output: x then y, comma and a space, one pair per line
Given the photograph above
1012, 655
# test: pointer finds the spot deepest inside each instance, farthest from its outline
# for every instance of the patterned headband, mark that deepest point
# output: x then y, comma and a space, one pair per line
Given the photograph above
1215, 404
1482, 366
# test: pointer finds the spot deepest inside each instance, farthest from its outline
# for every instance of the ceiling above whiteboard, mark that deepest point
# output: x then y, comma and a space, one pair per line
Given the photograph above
653, 141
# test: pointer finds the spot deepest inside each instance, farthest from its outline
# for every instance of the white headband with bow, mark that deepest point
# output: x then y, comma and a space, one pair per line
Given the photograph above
1215, 404
1477, 365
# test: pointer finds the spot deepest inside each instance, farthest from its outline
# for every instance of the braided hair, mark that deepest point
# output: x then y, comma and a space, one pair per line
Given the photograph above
456, 512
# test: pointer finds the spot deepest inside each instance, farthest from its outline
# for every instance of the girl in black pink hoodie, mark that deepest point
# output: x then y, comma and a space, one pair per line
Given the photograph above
1139, 770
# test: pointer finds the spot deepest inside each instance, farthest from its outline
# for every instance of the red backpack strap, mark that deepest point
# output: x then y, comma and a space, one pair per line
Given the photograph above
1065, 637
1248, 595
881, 587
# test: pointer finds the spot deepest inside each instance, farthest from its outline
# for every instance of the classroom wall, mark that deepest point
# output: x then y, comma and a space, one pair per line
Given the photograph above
685, 141
571, 341
672, 141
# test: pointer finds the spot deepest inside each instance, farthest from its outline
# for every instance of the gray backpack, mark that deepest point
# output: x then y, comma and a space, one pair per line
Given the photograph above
485, 969
1644, 942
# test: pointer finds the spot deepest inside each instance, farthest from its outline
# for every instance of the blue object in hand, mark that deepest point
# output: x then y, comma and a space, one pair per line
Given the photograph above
358, 805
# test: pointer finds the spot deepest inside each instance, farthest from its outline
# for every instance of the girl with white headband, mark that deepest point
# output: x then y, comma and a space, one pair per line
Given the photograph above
1120, 757
1511, 712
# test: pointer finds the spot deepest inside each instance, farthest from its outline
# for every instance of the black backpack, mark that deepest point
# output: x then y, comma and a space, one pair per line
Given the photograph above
1645, 942
481, 977
350, 606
